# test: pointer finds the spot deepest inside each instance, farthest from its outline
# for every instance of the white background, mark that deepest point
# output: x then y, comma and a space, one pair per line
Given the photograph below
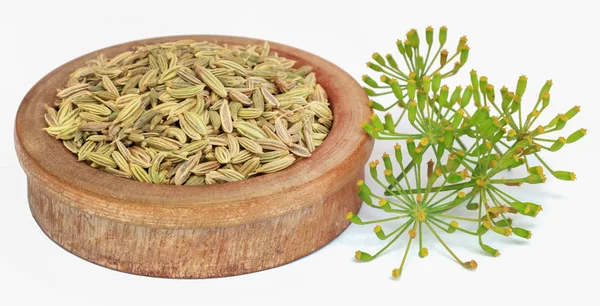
542, 39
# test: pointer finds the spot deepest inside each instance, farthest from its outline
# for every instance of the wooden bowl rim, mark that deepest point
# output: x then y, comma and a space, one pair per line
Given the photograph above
305, 183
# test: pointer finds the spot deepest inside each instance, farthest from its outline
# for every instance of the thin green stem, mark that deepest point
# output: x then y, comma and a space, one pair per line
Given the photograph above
420, 236
497, 204
400, 118
394, 194
392, 73
398, 71
502, 194
433, 60
428, 190
381, 94
543, 163
530, 123
457, 218
443, 243
450, 205
544, 139
384, 220
401, 227
418, 177
405, 253
447, 61
520, 118
444, 188
408, 65
426, 59
401, 135
394, 203
393, 240
429, 204
410, 165
461, 144
435, 222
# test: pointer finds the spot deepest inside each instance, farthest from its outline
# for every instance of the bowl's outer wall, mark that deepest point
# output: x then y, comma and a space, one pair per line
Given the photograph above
196, 231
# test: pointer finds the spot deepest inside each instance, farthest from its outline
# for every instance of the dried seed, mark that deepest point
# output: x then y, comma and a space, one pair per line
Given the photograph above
295, 129
231, 174
182, 110
241, 157
161, 144
168, 74
257, 100
193, 125
102, 160
249, 113
282, 132
318, 94
129, 110
269, 98
94, 126
71, 146
299, 150
276, 165
298, 92
321, 109
271, 144
226, 120
217, 141
310, 80
187, 92
65, 93
176, 133
249, 166
215, 176
250, 145
232, 145
272, 155
155, 168
239, 69
215, 119
206, 167
95, 109
222, 155
195, 146
308, 140
188, 75
211, 81
234, 108
182, 107
116, 172
249, 130
139, 173
109, 86
268, 130
151, 77
195, 180
182, 174
240, 97
120, 161
87, 117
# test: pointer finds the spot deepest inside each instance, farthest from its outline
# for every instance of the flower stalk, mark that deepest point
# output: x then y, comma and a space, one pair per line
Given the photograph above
471, 134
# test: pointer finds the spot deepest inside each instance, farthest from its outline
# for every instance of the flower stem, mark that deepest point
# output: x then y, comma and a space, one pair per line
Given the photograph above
395, 238
441, 188
405, 252
443, 243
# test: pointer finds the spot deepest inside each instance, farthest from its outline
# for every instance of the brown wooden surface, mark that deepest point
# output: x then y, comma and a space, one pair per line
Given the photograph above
196, 231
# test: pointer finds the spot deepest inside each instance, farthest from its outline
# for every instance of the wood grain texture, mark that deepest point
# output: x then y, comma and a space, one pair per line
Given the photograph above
196, 231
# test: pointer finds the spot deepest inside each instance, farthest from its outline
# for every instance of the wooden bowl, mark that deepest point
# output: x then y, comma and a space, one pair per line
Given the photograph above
196, 231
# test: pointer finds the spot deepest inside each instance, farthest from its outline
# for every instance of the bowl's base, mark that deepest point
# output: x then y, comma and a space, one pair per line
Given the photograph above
193, 252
